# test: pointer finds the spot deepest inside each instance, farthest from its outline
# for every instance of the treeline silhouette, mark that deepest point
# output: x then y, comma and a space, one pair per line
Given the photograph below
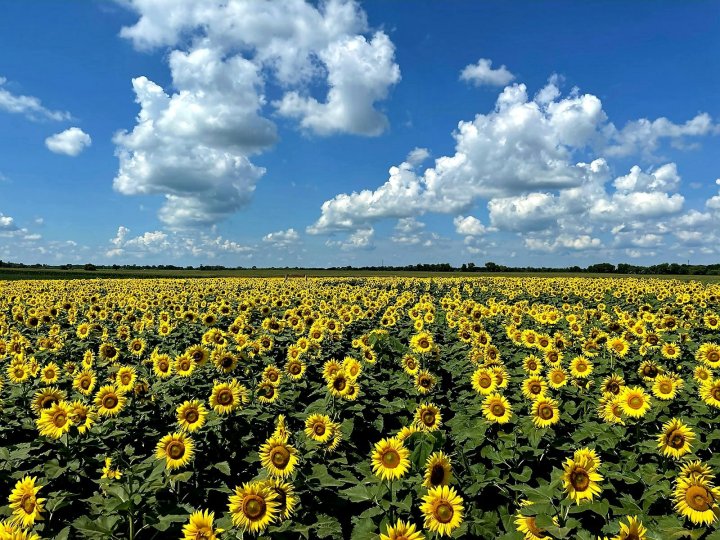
488, 267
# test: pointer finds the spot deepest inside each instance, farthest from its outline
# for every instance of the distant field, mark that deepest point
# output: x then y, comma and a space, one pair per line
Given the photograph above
44, 273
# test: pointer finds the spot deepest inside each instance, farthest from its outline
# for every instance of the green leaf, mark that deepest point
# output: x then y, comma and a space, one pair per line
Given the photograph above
358, 493
327, 527
223, 467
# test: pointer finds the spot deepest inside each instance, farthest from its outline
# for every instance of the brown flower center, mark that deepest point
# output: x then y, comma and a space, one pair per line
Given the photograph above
580, 479
225, 396
110, 401
319, 429
498, 409
698, 498
27, 503
546, 411
390, 458
635, 402
254, 507
176, 449
192, 416
280, 457
444, 512
437, 474
675, 438
428, 418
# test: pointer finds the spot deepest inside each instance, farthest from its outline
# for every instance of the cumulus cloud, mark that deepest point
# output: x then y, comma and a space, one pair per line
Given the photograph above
7, 223
285, 238
194, 145
482, 73
469, 226
172, 244
29, 106
417, 156
362, 239
70, 142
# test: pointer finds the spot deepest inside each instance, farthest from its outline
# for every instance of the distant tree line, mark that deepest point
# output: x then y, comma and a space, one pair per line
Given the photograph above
488, 267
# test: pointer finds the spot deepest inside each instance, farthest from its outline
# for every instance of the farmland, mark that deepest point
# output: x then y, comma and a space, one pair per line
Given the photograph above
509, 407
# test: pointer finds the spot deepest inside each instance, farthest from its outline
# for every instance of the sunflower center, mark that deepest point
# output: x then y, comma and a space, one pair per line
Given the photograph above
498, 409
558, 377
110, 401
176, 449
272, 376
535, 388
163, 365
485, 381
713, 356
444, 512
125, 378
437, 474
191, 416
581, 367
532, 366
428, 418
27, 503
676, 439
580, 479
698, 498
390, 458
635, 402
319, 429
85, 383
424, 343
545, 412
665, 387
280, 457
295, 369
225, 397
339, 384
60, 419
715, 392
650, 371
254, 507
268, 391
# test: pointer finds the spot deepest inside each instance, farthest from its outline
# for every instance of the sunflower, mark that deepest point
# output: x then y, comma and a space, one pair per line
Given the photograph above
55, 421
110, 400
545, 412
670, 350
410, 364
224, 360
267, 392
200, 526
18, 372
352, 367
648, 370
581, 367
82, 416
285, 497
613, 384
199, 354
675, 438
443, 510
484, 381
618, 346
701, 374
125, 378
46, 398
532, 364
226, 397
136, 347
278, 457
424, 381
50, 373
405, 432
339, 383
696, 469
527, 525
84, 382
109, 352
176, 448
295, 368
497, 409
109, 471
330, 369
610, 410
580, 480
317, 428
422, 343
696, 499
438, 470
402, 531
534, 387
254, 506
162, 366
710, 392
272, 374
632, 530
184, 365
428, 417
634, 401
191, 415
709, 354
557, 377
390, 459
666, 386
26, 506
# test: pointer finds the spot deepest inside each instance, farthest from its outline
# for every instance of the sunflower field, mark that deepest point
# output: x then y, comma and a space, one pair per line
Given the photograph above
360, 408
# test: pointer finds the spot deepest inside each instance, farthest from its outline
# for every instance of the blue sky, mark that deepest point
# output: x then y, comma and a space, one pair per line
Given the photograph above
335, 133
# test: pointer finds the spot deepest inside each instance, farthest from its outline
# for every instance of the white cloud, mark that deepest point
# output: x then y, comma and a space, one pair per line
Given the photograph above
360, 73
173, 245
362, 239
70, 142
194, 146
7, 223
469, 226
408, 231
282, 238
665, 178
482, 73
29, 106
567, 242
417, 156
644, 135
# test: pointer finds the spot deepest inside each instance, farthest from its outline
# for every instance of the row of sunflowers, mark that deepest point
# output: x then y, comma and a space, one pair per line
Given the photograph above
360, 408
